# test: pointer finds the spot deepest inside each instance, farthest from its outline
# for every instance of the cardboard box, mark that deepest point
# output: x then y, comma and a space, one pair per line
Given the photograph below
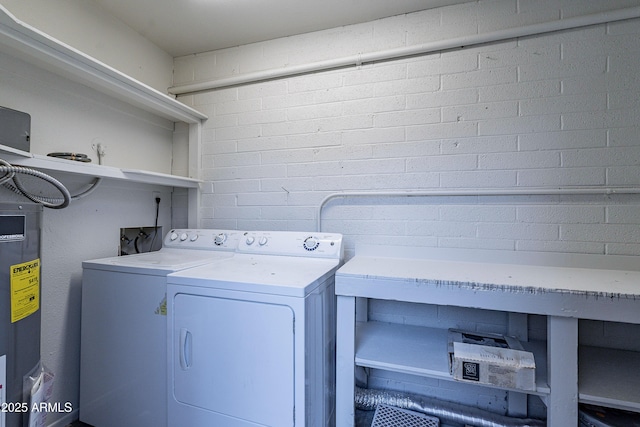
491, 359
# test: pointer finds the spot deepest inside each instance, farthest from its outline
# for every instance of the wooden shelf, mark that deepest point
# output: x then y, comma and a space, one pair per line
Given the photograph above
38, 48
609, 377
52, 164
423, 351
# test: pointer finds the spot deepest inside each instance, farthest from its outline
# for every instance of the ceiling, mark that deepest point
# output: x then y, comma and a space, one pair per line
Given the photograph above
182, 27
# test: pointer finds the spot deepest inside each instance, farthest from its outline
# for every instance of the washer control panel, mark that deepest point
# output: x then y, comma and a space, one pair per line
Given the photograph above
287, 243
202, 239
292, 243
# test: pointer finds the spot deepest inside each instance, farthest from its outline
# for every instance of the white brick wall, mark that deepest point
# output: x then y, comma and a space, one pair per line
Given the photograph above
552, 110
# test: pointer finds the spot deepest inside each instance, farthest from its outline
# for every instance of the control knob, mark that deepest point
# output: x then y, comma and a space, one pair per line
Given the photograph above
250, 240
183, 237
263, 241
310, 243
220, 239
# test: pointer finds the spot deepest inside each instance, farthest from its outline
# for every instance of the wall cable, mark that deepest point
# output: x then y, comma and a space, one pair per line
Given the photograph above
155, 234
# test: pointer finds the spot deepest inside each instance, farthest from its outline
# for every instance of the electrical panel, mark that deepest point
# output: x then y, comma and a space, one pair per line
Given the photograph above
16, 129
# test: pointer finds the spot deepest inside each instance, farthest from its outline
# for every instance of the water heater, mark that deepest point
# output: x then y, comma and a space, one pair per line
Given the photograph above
20, 226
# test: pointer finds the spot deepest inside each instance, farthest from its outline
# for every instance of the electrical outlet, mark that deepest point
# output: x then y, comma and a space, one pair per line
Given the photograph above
156, 195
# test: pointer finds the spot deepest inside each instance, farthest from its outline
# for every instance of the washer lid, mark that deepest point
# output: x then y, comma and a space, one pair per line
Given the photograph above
270, 274
160, 262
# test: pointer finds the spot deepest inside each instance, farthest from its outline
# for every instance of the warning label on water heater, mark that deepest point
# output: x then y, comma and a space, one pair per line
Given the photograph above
25, 289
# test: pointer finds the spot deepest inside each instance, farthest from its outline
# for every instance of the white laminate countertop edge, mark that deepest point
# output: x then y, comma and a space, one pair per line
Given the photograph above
412, 265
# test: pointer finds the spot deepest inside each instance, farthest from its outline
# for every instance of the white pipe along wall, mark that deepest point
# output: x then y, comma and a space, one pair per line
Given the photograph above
605, 191
421, 49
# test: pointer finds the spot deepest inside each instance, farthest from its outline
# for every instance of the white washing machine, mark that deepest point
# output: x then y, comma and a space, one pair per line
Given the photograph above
252, 340
124, 333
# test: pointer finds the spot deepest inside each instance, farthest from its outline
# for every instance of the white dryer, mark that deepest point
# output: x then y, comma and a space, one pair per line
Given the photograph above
124, 333
252, 340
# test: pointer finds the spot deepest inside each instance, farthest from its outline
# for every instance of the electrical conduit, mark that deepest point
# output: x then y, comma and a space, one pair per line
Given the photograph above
9, 175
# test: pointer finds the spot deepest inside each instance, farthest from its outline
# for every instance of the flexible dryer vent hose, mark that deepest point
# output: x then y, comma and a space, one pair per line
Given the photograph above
368, 399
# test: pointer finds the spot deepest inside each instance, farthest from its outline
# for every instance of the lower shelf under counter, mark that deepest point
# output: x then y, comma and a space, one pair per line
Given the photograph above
606, 377
609, 377
422, 351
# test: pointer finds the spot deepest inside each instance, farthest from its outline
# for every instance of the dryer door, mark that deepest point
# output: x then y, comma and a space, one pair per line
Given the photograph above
233, 358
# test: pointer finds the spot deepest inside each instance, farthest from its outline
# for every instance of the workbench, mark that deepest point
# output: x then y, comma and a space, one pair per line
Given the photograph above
563, 287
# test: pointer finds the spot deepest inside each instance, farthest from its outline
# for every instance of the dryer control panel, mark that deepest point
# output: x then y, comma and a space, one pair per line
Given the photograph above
205, 239
292, 243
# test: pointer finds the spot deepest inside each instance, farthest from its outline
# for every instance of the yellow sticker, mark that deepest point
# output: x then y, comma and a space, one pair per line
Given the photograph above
25, 289
162, 307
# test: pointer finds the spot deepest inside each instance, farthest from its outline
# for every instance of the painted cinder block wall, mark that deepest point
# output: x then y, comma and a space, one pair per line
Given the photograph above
553, 110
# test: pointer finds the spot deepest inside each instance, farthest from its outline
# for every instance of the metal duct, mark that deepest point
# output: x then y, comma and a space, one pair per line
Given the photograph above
367, 399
